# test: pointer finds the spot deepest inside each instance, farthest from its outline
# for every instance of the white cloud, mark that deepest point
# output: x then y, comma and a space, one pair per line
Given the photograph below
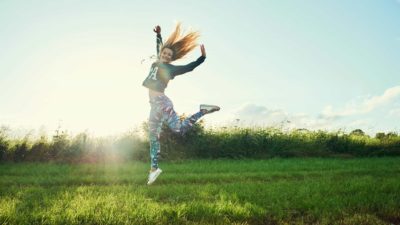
363, 107
357, 114
251, 114
256, 115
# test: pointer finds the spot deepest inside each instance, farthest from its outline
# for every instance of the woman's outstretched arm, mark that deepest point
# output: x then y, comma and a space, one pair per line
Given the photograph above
157, 30
178, 70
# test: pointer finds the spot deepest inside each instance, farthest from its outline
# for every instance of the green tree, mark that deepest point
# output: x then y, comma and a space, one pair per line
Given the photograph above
357, 132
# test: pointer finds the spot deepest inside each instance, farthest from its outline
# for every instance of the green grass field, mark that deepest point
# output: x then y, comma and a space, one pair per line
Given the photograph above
276, 191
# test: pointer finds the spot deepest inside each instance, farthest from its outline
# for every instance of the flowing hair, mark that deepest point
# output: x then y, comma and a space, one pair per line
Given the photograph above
181, 44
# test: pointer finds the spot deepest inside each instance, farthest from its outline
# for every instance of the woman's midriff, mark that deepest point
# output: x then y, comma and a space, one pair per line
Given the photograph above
153, 93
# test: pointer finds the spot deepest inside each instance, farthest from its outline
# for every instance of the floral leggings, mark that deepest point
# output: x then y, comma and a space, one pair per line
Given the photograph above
162, 110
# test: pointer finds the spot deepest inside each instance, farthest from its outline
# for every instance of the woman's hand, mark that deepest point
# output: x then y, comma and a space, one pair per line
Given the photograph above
157, 29
203, 50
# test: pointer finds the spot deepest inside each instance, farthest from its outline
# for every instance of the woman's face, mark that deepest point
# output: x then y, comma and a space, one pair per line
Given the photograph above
166, 55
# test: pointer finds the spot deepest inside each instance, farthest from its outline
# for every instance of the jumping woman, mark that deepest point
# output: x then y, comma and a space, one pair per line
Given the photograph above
161, 72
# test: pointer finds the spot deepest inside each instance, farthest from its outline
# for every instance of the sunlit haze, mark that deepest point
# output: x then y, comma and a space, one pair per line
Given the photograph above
296, 64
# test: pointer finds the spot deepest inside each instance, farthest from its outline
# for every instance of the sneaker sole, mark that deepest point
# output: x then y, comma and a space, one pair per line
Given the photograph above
210, 108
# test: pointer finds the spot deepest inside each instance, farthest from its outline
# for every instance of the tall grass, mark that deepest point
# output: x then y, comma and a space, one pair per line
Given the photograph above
231, 142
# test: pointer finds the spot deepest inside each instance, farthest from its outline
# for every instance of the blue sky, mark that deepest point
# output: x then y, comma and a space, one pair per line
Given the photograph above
320, 65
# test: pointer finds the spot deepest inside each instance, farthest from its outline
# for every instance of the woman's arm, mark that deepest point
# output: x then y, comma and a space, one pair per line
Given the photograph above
157, 29
178, 70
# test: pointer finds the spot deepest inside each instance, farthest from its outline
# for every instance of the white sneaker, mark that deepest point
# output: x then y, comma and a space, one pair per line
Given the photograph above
209, 108
153, 176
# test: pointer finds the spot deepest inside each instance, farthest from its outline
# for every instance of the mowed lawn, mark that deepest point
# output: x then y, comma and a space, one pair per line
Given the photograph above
275, 191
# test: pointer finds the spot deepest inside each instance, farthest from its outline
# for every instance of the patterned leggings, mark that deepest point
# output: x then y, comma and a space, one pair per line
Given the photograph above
162, 110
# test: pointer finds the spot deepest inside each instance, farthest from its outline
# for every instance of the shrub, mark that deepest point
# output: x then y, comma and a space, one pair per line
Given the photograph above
222, 142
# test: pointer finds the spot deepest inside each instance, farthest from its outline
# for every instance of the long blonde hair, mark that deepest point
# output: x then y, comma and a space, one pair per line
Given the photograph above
181, 44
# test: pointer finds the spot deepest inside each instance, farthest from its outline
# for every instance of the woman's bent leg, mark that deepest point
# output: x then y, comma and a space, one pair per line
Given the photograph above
174, 122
